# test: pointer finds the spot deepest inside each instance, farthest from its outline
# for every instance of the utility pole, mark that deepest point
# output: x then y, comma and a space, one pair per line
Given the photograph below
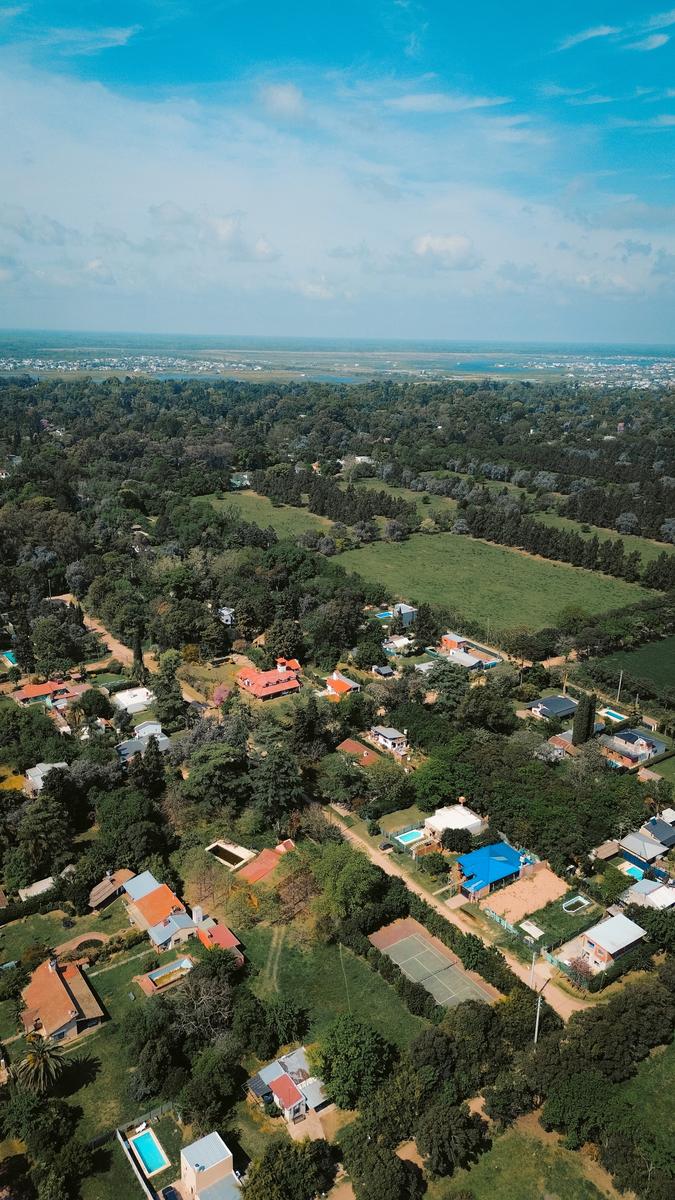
536, 1024
534, 959
618, 690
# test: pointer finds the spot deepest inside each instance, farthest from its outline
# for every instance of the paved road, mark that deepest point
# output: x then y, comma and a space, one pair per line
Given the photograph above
563, 1003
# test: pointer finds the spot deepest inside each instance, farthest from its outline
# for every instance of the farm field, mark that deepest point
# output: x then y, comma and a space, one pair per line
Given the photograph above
647, 548
327, 982
655, 661
286, 520
436, 503
485, 582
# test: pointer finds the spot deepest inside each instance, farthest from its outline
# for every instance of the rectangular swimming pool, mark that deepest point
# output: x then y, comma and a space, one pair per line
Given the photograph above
149, 1152
10, 656
612, 714
407, 839
170, 972
635, 872
383, 616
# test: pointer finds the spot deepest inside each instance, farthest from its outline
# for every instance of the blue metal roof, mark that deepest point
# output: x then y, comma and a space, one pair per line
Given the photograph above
141, 885
481, 868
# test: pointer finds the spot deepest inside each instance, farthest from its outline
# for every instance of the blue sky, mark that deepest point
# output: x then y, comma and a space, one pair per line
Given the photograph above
402, 168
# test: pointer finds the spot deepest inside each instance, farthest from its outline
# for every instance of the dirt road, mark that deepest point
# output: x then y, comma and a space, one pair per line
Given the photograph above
563, 1003
124, 654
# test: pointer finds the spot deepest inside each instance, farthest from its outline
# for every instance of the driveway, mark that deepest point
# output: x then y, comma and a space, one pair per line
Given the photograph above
560, 1001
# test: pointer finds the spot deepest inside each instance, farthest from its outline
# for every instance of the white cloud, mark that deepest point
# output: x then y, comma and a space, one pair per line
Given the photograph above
594, 98
442, 102
99, 271
453, 252
662, 20
653, 42
587, 35
317, 290
70, 40
283, 100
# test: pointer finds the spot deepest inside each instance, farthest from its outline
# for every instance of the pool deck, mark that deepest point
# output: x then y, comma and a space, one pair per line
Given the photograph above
149, 1133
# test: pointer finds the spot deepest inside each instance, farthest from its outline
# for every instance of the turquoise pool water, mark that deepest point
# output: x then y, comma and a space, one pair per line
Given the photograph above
383, 616
614, 716
635, 872
407, 839
149, 1151
10, 656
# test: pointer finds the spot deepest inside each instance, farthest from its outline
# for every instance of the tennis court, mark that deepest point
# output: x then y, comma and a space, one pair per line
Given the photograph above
424, 959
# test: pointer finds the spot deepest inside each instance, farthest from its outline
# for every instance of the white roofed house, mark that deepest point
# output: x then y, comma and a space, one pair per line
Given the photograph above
454, 816
207, 1170
35, 776
608, 940
389, 739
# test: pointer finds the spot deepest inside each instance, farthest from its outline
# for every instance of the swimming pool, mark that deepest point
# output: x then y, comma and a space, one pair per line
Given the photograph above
383, 616
170, 972
612, 714
149, 1152
407, 839
635, 872
10, 656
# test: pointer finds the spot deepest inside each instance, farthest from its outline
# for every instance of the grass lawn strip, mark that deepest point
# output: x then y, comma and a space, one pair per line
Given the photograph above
521, 1167
655, 661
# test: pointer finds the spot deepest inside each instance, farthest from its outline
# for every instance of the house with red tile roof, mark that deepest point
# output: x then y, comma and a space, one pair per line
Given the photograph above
267, 685
338, 685
264, 863
212, 935
364, 756
289, 1083
59, 1002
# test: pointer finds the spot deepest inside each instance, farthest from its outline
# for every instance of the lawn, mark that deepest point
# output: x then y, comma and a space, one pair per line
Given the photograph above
436, 504
287, 520
522, 1167
648, 549
654, 661
499, 587
558, 925
97, 1082
329, 981
47, 928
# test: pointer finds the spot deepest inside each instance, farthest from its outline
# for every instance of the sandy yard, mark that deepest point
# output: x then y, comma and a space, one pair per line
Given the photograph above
527, 894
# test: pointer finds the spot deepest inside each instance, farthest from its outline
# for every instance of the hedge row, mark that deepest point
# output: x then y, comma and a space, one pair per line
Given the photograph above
44, 903
416, 998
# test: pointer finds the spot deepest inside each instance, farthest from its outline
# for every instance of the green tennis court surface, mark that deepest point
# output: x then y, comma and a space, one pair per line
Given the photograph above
423, 963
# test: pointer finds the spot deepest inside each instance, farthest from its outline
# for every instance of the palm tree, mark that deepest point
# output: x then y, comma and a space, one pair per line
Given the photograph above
41, 1066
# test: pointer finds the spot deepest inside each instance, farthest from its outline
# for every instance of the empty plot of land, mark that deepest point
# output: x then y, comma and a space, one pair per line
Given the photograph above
526, 895
424, 959
486, 582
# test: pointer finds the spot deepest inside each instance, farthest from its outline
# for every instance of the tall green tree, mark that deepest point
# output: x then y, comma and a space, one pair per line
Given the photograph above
355, 1060
584, 719
41, 1065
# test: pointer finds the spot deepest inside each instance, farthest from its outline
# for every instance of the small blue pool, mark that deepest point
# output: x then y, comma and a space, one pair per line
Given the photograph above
407, 839
10, 656
635, 872
149, 1151
384, 616
613, 715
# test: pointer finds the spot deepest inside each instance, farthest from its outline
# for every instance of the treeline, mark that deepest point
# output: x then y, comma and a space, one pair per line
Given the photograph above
504, 524
349, 506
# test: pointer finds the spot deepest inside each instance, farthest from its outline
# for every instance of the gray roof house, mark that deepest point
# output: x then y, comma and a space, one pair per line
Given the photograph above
644, 848
556, 707
139, 744
35, 776
406, 612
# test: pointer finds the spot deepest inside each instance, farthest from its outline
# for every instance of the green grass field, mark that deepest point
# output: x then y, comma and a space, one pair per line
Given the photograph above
655, 661
485, 582
286, 520
648, 549
521, 1167
328, 983
559, 925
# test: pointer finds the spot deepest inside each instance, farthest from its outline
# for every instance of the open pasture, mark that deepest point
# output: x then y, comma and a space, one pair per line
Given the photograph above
485, 582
